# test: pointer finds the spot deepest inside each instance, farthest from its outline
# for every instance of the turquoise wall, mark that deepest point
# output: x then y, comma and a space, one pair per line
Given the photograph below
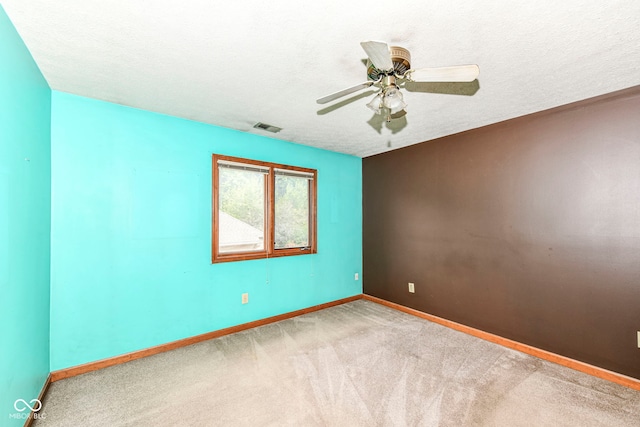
25, 182
131, 232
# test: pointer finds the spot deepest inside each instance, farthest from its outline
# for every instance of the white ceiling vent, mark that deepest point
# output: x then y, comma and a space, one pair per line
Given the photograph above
268, 128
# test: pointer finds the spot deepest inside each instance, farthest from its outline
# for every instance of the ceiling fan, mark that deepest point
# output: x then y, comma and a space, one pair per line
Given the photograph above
388, 68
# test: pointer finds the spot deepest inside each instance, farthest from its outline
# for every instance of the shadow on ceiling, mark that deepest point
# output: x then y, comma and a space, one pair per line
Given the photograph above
444, 88
347, 101
397, 123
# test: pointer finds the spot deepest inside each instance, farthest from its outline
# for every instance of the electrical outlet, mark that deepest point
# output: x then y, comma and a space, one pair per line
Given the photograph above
356, 276
638, 339
245, 298
412, 288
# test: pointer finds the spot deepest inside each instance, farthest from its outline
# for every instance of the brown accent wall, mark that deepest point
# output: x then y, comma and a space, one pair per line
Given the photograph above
528, 229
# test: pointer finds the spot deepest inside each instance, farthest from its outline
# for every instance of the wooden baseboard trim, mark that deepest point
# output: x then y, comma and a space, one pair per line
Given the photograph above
116, 360
524, 348
505, 342
43, 392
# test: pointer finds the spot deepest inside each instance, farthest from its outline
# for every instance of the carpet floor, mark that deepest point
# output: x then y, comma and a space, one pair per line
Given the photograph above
357, 364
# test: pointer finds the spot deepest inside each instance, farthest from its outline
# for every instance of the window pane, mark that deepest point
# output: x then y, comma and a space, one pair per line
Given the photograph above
241, 212
292, 212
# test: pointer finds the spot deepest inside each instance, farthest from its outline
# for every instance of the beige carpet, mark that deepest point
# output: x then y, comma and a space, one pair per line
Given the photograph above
358, 364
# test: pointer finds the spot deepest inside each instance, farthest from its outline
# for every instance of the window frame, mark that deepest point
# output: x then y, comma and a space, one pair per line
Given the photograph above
269, 250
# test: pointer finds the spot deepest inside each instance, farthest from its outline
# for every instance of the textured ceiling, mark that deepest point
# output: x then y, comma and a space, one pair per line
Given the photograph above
233, 64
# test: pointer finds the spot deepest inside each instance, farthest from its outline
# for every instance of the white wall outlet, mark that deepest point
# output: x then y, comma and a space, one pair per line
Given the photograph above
638, 339
356, 276
412, 288
245, 298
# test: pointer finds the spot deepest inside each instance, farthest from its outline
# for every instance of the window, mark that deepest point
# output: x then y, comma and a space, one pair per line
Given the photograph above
262, 210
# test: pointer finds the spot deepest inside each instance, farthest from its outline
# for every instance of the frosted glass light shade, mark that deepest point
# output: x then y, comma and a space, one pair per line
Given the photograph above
393, 100
376, 104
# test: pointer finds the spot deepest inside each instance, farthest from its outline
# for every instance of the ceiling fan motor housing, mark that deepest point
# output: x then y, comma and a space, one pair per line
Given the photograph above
401, 59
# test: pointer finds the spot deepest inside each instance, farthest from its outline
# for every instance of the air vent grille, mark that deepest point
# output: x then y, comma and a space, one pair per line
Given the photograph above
268, 128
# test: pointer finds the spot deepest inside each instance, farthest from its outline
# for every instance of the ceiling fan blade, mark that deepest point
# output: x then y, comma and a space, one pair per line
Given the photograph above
460, 73
344, 92
378, 53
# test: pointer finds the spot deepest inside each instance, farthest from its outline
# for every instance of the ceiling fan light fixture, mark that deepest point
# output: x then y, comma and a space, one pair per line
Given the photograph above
376, 103
392, 99
390, 66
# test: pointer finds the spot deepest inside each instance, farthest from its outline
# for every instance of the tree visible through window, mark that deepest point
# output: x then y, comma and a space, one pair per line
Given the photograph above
292, 211
262, 209
242, 213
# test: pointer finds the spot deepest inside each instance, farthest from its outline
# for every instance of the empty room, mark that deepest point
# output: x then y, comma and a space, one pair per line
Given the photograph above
328, 213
